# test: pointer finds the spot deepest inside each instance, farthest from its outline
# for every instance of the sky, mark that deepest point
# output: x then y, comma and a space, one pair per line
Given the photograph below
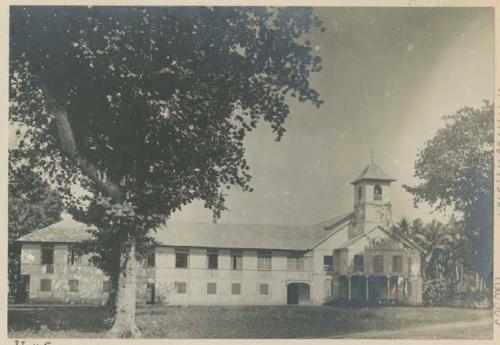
389, 76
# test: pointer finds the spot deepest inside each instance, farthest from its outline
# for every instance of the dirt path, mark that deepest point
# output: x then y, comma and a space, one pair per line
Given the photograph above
480, 329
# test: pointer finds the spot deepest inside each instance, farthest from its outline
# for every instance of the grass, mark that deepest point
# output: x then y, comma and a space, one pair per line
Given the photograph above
253, 322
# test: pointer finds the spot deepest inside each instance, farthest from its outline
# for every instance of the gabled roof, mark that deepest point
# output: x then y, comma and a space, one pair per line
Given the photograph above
221, 235
66, 231
224, 235
373, 172
331, 226
408, 240
399, 236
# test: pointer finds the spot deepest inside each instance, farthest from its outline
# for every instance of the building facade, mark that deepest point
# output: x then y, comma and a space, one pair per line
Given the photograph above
352, 257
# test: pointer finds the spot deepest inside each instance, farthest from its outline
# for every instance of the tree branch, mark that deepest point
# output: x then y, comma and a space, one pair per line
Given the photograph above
70, 150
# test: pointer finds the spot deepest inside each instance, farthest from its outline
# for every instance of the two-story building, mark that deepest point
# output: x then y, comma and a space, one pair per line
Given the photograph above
354, 256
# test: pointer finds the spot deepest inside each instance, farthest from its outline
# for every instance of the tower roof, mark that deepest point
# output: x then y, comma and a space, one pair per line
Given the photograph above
373, 172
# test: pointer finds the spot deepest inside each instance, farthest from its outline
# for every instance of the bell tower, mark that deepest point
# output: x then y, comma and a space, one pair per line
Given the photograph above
372, 200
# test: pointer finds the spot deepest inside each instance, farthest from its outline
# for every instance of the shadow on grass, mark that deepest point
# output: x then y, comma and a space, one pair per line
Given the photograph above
81, 319
234, 321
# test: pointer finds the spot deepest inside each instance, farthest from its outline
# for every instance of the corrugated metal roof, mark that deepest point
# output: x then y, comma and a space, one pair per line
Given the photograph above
373, 172
331, 223
330, 227
221, 235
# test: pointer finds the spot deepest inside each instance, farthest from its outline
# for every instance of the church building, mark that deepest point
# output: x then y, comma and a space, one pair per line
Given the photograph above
354, 257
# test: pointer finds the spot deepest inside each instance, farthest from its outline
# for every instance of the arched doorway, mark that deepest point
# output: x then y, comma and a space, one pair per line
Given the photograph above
298, 293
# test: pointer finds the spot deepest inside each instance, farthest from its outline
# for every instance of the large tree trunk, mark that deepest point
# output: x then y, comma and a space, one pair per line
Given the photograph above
124, 324
114, 280
114, 276
69, 149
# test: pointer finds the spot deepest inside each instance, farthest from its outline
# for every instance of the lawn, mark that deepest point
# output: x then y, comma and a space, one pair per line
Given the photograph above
258, 322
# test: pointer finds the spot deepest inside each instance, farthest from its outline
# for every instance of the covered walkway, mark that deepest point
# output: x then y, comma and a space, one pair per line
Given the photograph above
371, 289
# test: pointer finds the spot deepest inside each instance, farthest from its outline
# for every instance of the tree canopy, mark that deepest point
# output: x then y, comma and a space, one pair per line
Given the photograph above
146, 108
32, 205
456, 170
158, 99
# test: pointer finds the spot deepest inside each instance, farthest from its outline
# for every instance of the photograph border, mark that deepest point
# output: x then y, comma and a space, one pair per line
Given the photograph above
4, 40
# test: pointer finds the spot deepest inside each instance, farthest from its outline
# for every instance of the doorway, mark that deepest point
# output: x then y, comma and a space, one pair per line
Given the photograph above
298, 293
358, 289
150, 293
377, 288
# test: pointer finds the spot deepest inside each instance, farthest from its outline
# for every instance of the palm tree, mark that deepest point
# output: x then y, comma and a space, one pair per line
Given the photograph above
460, 250
445, 263
437, 241
403, 226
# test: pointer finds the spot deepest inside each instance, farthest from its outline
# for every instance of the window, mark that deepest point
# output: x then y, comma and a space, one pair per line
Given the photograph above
236, 260
73, 256
359, 263
328, 263
264, 289
295, 262
150, 259
360, 193
235, 289
378, 263
264, 260
45, 285
397, 263
181, 258
181, 288
409, 265
47, 254
377, 192
73, 285
211, 288
213, 258
106, 286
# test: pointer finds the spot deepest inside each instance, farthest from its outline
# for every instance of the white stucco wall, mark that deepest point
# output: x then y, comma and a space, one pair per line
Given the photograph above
197, 276
90, 279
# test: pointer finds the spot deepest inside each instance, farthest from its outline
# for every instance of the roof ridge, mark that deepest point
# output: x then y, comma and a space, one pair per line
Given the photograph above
230, 223
335, 218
